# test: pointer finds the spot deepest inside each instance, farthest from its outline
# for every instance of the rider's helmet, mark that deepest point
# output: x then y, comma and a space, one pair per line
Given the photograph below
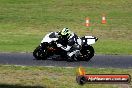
64, 34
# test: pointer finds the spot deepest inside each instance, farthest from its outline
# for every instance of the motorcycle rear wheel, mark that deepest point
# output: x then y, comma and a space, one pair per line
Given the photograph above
87, 53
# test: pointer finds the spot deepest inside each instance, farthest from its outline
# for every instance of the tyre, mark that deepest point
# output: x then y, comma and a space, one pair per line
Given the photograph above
39, 53
87, 53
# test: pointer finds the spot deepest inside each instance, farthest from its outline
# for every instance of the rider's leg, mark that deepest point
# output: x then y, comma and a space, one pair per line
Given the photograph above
72, 55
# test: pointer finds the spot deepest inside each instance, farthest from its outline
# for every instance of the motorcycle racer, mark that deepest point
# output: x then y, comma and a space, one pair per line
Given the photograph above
69, 42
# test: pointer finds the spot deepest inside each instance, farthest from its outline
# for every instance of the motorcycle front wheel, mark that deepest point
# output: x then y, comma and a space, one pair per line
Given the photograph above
39, 53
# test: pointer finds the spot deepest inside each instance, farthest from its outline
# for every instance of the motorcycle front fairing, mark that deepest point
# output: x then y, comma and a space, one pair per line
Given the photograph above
48, 38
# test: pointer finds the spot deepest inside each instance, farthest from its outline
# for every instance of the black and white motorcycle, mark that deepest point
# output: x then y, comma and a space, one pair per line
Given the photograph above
48, 48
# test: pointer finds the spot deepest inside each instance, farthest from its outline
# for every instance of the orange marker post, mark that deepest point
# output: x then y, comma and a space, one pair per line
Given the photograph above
103, 19
87, 24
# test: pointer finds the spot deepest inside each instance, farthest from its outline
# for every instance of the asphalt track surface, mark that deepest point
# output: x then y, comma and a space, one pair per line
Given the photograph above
98, 61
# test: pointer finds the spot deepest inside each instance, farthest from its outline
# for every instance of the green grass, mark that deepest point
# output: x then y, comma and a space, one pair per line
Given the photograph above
113, 47
23, 23
48, 77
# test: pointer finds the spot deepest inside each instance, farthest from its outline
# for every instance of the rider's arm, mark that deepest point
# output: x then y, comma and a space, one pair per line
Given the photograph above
67, 48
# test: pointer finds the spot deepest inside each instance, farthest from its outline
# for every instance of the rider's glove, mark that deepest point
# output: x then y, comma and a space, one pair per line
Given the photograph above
66, 48
59, 45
